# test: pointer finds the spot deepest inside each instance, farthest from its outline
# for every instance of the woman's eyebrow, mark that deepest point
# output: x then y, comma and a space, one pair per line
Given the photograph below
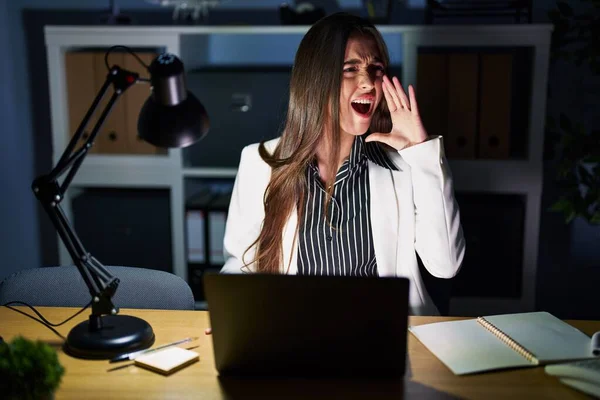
355, 61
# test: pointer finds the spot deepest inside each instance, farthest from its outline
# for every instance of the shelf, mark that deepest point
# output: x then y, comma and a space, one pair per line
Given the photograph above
74, 32
127, 171
133, 160
236, 47
209, 172
501, 176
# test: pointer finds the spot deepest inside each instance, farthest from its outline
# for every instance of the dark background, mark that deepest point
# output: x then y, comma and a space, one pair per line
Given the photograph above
568, 272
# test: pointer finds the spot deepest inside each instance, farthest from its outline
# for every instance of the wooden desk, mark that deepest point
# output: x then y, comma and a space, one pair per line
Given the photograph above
429, 378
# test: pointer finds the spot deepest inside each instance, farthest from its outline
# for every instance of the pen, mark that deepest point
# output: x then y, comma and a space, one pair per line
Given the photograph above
133, 355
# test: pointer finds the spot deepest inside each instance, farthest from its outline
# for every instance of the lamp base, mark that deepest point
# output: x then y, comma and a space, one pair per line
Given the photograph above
119, 334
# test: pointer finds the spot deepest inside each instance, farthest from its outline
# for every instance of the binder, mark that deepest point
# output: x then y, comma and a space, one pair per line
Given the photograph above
217, 217
81, 89
432, 92
495, 106
206, 217
216, 232
462, 105
111, 138
87, 73
134, 98
196, 227
196, 250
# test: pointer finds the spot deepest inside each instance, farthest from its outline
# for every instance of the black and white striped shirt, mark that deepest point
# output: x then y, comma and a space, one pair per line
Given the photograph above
342, 244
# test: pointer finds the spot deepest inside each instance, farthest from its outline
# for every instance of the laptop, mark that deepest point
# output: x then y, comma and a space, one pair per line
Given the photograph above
308, 326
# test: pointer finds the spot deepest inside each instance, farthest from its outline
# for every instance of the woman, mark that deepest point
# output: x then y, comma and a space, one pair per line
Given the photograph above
354, 185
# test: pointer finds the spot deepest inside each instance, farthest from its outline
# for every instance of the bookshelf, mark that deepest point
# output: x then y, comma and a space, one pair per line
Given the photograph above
217, 46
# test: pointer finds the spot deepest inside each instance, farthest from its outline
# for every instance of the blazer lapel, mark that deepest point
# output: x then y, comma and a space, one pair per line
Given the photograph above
384, 218
290, 244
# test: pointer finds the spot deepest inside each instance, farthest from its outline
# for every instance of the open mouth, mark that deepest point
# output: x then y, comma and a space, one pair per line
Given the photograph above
362, 106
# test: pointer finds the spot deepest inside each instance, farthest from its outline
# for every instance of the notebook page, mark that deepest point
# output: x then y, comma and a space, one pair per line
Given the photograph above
466, 347
544, 335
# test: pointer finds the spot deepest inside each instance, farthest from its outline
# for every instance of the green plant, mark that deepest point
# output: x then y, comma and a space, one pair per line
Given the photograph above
576, 39
28, 369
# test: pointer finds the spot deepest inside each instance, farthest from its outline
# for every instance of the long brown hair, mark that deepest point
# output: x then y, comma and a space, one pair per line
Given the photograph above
313, 109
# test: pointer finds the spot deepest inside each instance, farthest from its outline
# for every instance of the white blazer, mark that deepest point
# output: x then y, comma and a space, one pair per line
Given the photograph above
412, 209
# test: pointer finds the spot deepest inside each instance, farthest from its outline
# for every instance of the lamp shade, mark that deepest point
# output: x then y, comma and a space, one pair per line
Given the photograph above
172, 116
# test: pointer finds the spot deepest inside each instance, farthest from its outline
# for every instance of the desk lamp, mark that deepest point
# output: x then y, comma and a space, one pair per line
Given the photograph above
171, 117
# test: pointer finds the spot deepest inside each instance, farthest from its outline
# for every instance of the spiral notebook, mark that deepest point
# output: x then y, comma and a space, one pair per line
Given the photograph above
503, 341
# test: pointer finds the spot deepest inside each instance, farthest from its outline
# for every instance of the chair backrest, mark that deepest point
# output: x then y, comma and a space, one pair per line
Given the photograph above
64, 287
440, 290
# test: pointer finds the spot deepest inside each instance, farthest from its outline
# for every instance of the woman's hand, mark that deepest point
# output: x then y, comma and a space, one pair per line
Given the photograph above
407, 128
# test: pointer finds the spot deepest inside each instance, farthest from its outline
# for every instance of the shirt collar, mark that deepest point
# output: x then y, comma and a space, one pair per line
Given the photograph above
357, 153
375, 153
360, 151
350, 165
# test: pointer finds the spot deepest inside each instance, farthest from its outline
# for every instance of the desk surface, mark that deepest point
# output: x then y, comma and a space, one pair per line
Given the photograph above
429, 378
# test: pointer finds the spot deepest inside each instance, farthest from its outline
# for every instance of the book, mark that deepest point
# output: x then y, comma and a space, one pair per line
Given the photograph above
503, 341
168, 360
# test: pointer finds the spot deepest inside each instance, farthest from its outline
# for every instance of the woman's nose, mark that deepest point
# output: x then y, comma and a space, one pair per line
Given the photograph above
365, 81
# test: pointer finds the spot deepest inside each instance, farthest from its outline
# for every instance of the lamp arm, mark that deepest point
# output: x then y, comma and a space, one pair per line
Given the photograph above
77, 159
61, 165
101, 283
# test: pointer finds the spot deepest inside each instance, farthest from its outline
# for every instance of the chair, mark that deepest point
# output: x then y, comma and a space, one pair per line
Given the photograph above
440, 290
64, 287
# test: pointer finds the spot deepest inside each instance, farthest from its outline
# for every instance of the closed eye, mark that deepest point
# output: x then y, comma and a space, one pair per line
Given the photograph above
377, 69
